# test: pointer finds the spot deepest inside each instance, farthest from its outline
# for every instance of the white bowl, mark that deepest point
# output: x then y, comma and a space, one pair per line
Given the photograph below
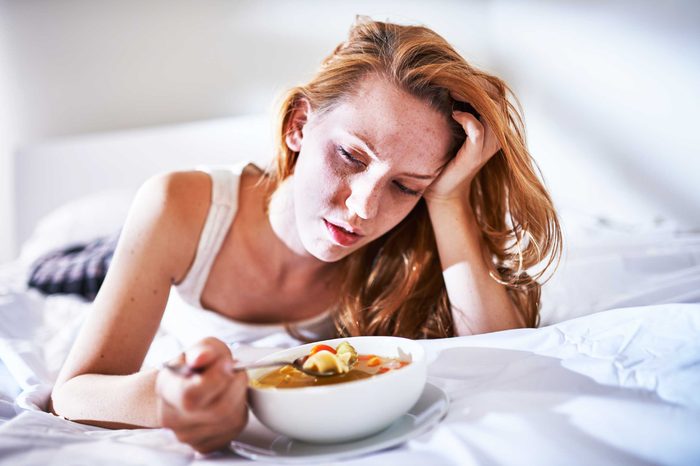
344, 411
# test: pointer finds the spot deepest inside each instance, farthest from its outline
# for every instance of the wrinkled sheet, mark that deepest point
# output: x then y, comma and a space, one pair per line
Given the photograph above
616, 387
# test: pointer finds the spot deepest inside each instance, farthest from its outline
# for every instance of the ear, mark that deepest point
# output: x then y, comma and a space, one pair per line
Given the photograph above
295, 128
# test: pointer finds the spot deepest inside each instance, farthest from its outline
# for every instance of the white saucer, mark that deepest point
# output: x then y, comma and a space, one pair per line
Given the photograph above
257, 442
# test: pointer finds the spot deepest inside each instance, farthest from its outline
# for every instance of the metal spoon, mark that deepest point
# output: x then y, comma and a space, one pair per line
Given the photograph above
185, 370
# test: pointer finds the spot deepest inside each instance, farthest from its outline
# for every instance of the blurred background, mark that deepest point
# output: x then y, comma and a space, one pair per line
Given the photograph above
610, 90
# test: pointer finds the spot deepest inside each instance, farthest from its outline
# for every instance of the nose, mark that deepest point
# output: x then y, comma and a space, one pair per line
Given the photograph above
364, 197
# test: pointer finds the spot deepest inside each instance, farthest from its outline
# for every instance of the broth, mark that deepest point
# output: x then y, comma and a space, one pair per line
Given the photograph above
365, 367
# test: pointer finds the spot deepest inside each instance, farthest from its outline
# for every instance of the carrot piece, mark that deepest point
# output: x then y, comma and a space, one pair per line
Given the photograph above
374, 361
318, 348
365, 357
382, 370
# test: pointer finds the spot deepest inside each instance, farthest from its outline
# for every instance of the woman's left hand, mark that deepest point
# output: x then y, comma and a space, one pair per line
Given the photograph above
479, 146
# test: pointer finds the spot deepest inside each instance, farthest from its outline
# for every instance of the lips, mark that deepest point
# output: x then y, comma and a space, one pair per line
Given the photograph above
340, 235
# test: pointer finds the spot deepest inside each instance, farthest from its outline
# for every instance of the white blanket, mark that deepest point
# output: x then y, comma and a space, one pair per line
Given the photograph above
617, 387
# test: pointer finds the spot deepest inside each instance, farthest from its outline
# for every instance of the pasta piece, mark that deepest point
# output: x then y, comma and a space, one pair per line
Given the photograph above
347, 353
325, 361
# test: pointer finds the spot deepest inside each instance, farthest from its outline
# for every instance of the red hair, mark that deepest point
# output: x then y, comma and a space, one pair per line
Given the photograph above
394, 286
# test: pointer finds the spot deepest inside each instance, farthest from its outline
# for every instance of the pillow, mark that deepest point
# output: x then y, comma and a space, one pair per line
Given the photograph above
78, 270
78, 222
610, 265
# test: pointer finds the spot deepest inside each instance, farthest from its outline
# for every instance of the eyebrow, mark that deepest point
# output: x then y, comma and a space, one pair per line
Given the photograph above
419, 176
365, 140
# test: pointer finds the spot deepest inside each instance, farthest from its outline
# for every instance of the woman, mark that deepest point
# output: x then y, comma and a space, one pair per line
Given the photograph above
387, 210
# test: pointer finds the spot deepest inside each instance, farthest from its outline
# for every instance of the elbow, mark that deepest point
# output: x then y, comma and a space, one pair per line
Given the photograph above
487, 322
61, 399
55, 401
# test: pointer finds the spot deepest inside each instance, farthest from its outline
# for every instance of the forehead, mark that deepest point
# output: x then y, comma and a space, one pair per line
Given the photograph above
401, 127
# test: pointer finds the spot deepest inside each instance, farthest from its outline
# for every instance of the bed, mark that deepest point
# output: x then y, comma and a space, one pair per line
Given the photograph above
609, 377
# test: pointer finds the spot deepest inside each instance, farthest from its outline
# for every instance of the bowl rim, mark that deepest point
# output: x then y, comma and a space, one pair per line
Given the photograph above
334, 387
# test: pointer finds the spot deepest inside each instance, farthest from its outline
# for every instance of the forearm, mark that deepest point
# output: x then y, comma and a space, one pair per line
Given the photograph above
111, 401
479, 303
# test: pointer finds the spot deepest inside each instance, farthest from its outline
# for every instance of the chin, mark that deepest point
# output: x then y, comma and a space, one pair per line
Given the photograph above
328, 252
329, 256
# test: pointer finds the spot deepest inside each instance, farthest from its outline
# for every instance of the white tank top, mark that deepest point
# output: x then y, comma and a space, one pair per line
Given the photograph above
185, 317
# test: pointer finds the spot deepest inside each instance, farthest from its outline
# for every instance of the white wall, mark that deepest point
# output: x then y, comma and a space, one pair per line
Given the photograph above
84, 66
8, 135
611, 92
610, 89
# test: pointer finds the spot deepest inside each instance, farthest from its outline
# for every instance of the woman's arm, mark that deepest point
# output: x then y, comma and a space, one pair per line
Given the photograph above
111, 401
100, 383
479, 303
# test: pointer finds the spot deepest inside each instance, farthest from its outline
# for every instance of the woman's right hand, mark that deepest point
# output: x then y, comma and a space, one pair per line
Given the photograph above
208, 408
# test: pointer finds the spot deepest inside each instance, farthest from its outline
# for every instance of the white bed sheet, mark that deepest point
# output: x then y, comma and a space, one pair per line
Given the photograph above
617, 387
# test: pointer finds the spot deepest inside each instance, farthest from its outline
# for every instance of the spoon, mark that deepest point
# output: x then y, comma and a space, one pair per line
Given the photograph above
185, 370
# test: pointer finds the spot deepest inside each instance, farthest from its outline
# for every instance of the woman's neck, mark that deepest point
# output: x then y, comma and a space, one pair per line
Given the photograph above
279, 242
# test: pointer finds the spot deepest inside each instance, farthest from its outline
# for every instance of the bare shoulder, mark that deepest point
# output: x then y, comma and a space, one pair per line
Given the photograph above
155, 249
174, 207
177, 193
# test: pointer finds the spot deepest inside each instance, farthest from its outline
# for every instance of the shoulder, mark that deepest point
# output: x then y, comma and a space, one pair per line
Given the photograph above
170, 210
179, 192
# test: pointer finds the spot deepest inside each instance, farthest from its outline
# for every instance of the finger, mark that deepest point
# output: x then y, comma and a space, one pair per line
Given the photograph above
194, 433
208, 440
192, 393
184, 422
202, 389
235, 394
232, 403
206, 352
479, 132
169, 386
178, 360
472, 127
221, 422
229, 414
213, 443
491, 143
174, 418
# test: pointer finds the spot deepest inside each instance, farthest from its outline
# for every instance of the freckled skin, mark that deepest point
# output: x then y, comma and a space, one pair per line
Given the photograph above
408, 136
102, 382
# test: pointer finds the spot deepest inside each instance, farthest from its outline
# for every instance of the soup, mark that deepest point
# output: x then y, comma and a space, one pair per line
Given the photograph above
360, 366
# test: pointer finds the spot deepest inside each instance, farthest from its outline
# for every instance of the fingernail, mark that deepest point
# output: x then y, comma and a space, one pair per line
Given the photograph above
194, 357
228, 366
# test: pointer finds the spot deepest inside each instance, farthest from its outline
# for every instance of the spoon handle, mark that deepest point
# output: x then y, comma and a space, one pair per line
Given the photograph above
186, 371
257, 365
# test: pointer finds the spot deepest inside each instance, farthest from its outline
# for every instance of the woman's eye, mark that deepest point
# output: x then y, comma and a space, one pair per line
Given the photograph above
406, 190
359, 163
347, 156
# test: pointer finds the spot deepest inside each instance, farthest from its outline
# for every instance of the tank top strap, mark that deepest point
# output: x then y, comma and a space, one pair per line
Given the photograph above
225, 182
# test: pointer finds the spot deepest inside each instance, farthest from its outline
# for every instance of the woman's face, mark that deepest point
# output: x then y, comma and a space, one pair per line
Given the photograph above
363, 166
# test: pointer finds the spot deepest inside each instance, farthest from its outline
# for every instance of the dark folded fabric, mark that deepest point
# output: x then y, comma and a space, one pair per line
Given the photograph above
79, 269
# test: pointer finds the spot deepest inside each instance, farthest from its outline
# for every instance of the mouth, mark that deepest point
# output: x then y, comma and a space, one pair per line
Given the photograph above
340, 235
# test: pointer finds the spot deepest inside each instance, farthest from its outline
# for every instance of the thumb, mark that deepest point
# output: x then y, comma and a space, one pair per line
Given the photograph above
200, 357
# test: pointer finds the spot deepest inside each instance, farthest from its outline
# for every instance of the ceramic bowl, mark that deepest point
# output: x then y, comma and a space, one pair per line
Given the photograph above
344, 411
